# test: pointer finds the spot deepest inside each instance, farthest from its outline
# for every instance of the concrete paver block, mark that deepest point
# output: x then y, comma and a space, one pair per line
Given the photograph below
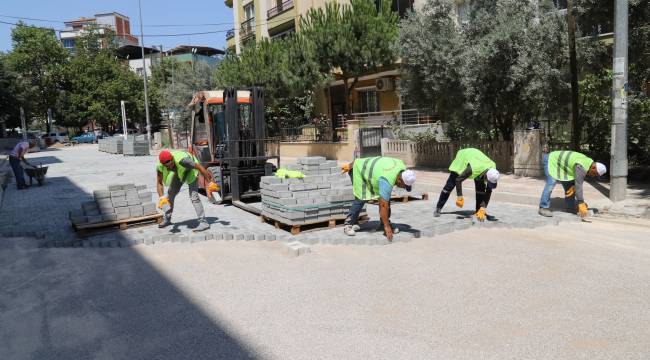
136, 211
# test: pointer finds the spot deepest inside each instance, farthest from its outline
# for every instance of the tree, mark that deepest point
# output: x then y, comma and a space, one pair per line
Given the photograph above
96, 83
9, 112
504, 68
352, 40
36, 58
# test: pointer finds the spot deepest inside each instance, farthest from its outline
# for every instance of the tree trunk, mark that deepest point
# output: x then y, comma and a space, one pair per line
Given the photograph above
573, 68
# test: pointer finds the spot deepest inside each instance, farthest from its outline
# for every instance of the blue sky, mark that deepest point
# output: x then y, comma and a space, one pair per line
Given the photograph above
154, 12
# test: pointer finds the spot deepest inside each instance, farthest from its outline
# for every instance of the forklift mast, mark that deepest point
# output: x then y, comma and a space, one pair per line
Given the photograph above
228, 136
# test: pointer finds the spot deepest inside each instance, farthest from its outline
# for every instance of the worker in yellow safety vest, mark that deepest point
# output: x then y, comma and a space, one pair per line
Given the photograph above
570, 169
472, 164
173, 169
374, 178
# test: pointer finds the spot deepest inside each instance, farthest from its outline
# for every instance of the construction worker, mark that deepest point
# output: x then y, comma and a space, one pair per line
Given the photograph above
570, 169
473, 164
173, 169
16, 157
374, 178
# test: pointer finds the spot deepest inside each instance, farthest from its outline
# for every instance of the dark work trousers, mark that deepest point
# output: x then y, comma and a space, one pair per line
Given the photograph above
18, 170
483, 192
357, 207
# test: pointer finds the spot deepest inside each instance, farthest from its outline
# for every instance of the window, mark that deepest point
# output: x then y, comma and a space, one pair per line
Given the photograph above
369, 100
249, 11
68, 43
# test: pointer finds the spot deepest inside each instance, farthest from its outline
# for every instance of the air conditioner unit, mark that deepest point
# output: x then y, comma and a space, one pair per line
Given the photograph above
384, 84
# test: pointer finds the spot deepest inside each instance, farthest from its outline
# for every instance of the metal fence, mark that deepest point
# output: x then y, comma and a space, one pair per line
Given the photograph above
310, 133
385, 118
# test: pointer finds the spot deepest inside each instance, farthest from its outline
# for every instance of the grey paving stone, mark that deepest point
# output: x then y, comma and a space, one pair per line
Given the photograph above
120, 203
136, 211
134, 202
249, 236
228, 236
197, 238
239, 236
109, 217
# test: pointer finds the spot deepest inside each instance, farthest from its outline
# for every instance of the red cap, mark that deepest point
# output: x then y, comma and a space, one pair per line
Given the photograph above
164, 156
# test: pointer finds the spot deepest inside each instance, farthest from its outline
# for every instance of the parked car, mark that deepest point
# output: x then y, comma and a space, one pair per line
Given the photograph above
87, 138
54, 137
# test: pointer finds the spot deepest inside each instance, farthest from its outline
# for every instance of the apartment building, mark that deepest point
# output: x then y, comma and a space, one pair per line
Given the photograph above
118, 24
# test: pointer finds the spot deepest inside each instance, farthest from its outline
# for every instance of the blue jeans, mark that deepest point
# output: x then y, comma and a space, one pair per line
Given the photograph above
545, 201
19, 172
355, 210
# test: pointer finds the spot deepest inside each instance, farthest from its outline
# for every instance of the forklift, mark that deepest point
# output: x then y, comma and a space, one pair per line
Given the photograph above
228, 137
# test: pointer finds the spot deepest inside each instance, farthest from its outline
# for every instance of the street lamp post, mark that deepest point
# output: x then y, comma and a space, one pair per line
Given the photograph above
144, 71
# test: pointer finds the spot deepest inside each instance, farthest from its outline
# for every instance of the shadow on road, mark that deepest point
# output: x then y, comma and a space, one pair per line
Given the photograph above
83, 303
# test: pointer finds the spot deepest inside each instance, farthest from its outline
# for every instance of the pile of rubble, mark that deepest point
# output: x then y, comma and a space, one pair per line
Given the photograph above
119, 202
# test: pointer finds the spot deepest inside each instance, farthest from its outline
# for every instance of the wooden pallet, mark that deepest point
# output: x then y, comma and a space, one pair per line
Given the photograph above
405, 198
296, 229
85, 229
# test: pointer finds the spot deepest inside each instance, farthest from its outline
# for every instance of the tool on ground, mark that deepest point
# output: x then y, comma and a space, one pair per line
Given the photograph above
571, 191
583, 210
164, 204
460, 201
481, 214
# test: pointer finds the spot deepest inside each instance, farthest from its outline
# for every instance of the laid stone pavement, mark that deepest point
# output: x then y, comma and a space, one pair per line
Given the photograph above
42, 212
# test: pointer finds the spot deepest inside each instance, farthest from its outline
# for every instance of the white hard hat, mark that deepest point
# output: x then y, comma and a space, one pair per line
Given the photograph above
601, 169
493, 175
408, 176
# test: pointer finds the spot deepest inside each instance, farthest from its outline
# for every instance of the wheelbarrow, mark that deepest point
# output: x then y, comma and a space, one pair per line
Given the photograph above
37, 172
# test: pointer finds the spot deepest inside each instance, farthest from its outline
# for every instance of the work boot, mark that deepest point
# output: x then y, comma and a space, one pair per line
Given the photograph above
349, 230
166, 222
545, 212
437, 212
203, 225
356, 227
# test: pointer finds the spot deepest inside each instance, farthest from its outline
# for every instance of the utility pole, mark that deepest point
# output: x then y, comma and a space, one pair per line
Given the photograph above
618, 165
23, 123
123, 108
144, 71
573, 69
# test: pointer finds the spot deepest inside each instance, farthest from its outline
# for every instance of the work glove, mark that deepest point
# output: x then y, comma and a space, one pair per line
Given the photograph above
345, 168
163, 203
571, 191
481, 214
583, 210
213, 191
212, 186
460, 201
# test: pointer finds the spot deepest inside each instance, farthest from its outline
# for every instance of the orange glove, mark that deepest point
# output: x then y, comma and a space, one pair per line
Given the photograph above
460, 201
212, 186
162, 202
583, 210
571, 191
481, 214
345, 168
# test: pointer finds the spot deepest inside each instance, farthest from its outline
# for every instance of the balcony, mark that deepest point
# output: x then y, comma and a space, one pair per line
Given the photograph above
247, 28
280, 8
230, 34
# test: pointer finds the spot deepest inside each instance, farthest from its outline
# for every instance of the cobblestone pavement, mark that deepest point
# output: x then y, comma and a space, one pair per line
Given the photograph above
42, 212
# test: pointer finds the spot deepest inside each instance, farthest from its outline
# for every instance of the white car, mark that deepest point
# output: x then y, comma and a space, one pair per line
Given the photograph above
60, 137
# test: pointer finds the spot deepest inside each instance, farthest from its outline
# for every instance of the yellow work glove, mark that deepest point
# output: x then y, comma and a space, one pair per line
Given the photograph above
162, 202
571, 191
583, 210
460, 201
481, 214
212, 186
345, 168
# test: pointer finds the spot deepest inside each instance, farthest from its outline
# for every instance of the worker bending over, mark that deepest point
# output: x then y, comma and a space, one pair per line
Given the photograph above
473, 164
569, 168
173, 169
16, 156
374, 178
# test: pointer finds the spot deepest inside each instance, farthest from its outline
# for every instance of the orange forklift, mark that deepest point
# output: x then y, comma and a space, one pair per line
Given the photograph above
228, 136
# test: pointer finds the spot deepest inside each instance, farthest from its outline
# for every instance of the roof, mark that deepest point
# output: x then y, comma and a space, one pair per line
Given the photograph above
200, 50
134, 51
80, 20
112, 13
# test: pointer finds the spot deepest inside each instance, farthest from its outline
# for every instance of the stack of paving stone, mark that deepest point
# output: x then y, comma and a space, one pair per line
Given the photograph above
323, 194
111, 145
136, 146
119, 202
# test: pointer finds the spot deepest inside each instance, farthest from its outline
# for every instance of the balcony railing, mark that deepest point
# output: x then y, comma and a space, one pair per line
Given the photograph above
282, 7
230, 34
247, 28
385, 118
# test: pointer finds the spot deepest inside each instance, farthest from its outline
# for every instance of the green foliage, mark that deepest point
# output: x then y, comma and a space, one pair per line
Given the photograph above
95, 83
505, 68
8, 95
351, 39
36, 58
